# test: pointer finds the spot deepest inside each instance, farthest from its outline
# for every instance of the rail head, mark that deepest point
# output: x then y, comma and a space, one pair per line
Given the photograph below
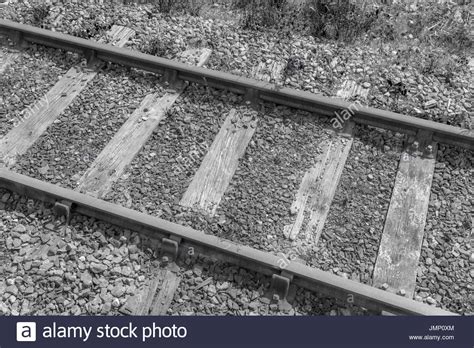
326, 106
244, 256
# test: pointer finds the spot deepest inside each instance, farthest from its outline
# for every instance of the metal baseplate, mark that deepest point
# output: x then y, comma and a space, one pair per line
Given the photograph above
171, 80
252, 97
281, 284
63, 208
18, 39
92, 60
421, 145
170, 247
347, 129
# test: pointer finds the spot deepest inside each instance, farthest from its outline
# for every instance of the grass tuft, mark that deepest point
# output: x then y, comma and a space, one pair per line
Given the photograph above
157, 46
260, 14
40, 13
168, 7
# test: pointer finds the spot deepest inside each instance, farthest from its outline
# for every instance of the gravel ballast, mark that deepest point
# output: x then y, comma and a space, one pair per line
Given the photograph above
27, 79
445, 272
436, 82
90, 267
69, 146
256, 205
351, 236
210, 287
160, 174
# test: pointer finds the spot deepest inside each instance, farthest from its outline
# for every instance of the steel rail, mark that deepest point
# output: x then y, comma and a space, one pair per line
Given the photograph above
252, 88
247, 257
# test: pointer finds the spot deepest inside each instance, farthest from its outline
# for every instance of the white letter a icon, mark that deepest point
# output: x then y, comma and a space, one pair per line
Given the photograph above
26, 332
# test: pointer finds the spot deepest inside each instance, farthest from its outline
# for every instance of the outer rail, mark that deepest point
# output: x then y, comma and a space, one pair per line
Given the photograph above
262, 262
258, 89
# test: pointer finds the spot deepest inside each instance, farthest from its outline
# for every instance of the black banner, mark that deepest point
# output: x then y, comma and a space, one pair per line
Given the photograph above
373, 331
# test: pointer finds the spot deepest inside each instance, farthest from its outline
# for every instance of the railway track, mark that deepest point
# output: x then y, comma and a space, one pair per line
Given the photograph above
220, 159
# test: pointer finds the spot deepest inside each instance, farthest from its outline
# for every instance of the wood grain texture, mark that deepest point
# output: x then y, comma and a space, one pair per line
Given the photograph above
219, 165
402, 238
350, 88
155, 297
319, 184
165, 296
269, 72
317, 190
5, 60
37, 118
118, 35
112, 162
142, 301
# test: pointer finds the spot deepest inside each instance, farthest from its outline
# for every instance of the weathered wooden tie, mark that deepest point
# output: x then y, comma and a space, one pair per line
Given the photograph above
319, 184
6, 59
156, 296
220, 163
269, 72
111, 163
350, 88
37, 118
402, 238
142, 301
163, 300
318, 188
